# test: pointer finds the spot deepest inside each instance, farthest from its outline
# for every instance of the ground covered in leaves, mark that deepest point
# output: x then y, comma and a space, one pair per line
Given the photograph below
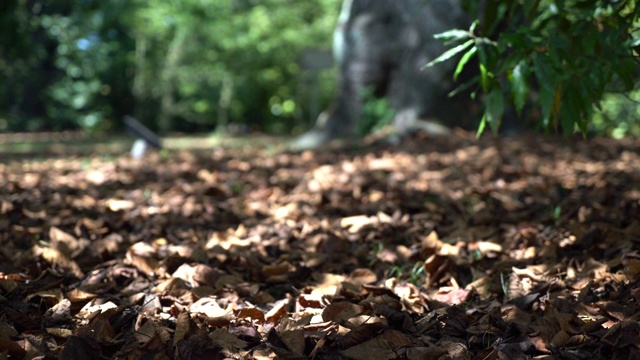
435, 248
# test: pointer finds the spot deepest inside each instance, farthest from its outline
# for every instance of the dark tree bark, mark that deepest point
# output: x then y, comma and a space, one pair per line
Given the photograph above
383, 44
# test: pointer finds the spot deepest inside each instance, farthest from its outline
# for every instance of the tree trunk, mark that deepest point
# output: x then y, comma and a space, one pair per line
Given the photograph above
226, 95
167, 80
383, 45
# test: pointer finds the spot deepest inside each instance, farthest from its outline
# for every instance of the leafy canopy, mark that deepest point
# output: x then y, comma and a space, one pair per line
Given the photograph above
561, 55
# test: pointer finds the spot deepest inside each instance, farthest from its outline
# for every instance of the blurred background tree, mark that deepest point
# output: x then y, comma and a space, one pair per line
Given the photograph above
198, 65
187, 65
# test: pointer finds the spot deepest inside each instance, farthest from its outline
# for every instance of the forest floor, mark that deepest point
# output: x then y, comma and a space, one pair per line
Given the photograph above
435, 248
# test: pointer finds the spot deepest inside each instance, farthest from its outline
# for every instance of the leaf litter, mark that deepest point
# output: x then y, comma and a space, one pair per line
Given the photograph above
435, 248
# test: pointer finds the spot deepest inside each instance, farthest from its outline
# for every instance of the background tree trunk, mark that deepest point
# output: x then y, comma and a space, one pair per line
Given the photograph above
383, 45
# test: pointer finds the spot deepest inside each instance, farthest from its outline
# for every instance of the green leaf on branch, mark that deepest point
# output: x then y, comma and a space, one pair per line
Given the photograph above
570, 111
530, 8
463, 87
520, 85
482, 126
455, 34
494, 108
625, 72
545, 99
463, 61
484, 78
449, 53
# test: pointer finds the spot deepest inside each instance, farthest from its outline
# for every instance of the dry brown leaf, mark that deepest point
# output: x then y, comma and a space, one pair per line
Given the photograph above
63, 241
623, 334
319, 345
183, 327
12, 349
305, 301
77, 295
228, 281
431, 244
356, 223
276, 270
396, 338
358, 321
98, 329
341, 311
55, 257
431, 352
294, 339
198, 274
451, 296
203, 291
362, 276
209, 307
173, 286
91, 309
559, 339
116, 205
147, 265
110, 244
486, 247
327, 284
376, 348
54, 296
146, 333
277, 312
226, 340
61, 333
78, 347
631, 264
250, 313
7, 331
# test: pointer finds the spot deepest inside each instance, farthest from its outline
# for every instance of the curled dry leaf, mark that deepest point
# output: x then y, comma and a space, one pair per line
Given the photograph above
116, 205
431, 244
305, 301
277, 312
92, 309
250, 313
362, 276
77, 295
209, 307
356, 223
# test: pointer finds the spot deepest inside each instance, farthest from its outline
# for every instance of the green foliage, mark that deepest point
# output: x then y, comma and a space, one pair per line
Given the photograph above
616, 116
179, 65
562, 55
192, 65
376, 113
416, 275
